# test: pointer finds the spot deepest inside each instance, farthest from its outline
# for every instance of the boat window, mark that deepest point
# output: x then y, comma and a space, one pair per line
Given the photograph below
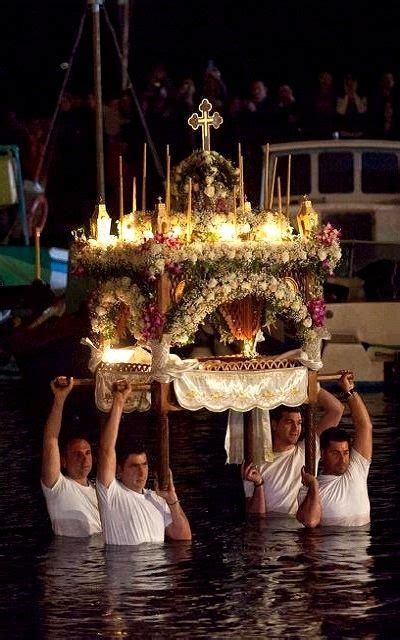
380, 173
336, 172
300, 173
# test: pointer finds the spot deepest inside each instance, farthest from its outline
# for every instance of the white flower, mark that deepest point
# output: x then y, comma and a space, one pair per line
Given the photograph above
159, 265
322, 254
307, 322
285, 256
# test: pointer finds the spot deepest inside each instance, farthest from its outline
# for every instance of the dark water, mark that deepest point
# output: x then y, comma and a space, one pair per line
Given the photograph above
235, 580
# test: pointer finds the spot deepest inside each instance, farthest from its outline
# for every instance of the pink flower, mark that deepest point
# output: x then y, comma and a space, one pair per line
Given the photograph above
317, 311
328, 235
152, 319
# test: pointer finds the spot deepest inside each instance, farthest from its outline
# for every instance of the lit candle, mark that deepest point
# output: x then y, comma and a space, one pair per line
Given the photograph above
279, 196
144, 175
134, 195
37, 254
271, 194
103, 224
266, 177
289, 170
168, 183
121, 195
234, 206
189, 213
242, 185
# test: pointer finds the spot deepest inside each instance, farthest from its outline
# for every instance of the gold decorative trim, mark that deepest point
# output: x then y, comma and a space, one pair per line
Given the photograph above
250, 364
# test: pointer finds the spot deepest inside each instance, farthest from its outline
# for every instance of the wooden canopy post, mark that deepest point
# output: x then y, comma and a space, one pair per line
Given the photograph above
160, 394
248, 437
309, 422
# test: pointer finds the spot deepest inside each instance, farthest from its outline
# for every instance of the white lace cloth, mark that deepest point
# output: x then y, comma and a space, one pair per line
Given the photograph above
261, 433
241, 390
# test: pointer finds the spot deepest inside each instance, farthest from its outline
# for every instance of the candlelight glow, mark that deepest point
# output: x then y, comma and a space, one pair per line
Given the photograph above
114, 356
103, 225
227, 231
176, 231
271, 231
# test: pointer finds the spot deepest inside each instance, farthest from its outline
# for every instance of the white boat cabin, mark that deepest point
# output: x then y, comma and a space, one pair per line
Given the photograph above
354, 185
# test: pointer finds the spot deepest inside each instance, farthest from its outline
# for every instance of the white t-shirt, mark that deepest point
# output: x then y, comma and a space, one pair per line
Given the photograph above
72, 508
344, 499
282, 479
131, 518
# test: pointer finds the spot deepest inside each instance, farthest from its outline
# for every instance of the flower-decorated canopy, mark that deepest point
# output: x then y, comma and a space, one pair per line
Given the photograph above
206, 254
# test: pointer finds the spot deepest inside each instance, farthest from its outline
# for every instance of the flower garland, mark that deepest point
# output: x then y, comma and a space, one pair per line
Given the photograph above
213, 273
152, 258
213, 179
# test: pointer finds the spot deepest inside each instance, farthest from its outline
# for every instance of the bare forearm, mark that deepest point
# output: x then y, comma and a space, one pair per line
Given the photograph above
107, 457
51, 463
256, 504
309, 512
179, 529
362, 425
332, 410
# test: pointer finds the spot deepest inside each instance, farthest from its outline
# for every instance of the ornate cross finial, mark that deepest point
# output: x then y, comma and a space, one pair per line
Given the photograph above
205, 122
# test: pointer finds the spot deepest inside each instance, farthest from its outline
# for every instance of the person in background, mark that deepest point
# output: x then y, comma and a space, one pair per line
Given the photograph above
70, 496
273, 489
339, 495
130, 513
352, 109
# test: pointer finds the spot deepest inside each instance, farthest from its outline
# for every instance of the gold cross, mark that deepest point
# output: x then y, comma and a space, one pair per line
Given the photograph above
205, 122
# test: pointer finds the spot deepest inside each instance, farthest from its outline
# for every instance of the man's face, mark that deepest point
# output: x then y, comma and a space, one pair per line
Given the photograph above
336, 458
288, 428
77, 460
134, 471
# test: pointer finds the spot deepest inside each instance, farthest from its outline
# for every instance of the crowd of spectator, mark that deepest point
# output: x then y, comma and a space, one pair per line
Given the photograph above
335, 108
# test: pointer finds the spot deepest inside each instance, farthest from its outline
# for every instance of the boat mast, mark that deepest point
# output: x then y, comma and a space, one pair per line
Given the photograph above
124, 16
95, 4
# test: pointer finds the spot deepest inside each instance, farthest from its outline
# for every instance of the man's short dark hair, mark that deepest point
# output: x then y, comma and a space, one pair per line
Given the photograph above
66, 441
333, 434
277, 413
125, 449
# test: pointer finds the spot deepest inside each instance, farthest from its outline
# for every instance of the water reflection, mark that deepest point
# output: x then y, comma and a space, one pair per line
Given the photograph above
268, 579
274, 579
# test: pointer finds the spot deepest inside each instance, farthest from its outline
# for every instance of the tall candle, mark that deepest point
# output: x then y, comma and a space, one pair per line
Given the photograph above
234, 206
168, 184
289, 171
121, 194
134, 194
144, 175
242, 185
279, 195
266, 178
189, 213
37, 254
240, 171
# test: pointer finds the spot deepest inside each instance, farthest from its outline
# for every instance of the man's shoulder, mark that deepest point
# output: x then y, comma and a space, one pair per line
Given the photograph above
60, 484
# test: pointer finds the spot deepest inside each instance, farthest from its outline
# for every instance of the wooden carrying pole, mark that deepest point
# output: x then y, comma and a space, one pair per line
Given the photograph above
309, 422
248, 437
159, 396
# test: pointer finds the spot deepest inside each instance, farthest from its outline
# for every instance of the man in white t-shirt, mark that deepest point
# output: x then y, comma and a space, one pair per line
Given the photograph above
130, 513
339, 496
70, 497
274, 488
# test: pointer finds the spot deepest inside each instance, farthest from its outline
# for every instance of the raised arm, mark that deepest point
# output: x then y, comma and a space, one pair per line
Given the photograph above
332, 411
51, 460
107, 462
309, 512
256, 504
179, 529
360, 416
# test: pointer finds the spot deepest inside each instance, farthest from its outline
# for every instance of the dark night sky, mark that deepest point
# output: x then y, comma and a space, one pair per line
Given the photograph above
280, 41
